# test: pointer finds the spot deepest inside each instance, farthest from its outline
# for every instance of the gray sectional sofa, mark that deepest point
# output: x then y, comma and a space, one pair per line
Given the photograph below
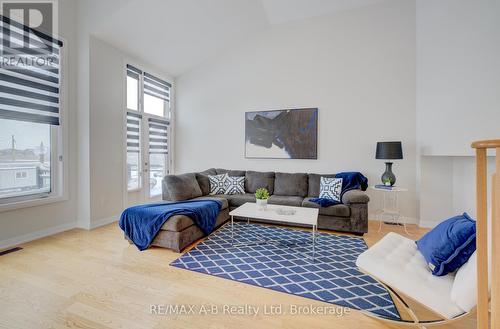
284, 189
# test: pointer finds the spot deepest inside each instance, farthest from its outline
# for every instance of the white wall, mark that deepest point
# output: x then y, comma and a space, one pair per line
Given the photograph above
458, 99
357, 67
458, 74
26, 224
106, 143
106, 131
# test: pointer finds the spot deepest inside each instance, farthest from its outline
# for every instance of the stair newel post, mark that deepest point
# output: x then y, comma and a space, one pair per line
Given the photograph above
495, 248
482, 230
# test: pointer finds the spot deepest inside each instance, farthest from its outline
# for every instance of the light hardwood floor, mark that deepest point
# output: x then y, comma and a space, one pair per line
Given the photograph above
95, 279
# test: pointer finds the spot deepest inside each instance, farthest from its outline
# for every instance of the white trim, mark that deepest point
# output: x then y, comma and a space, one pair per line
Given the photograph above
33, 202
104, 221
408, 220
59, 140
8, 243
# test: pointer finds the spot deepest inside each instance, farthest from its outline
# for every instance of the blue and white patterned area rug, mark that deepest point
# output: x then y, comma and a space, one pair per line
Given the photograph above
331, 277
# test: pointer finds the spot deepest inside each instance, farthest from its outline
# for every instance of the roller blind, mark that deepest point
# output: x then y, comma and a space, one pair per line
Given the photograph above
133, 72
158, 136
133, 132
29, 91
156, 87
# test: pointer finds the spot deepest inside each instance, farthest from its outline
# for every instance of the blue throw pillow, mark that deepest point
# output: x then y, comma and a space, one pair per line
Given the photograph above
449, 245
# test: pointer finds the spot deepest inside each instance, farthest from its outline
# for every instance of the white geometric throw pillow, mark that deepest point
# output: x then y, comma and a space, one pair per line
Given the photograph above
330, 188
235, 185
218, 183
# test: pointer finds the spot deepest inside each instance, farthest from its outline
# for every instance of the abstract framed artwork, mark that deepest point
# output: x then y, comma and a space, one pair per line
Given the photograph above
282, 134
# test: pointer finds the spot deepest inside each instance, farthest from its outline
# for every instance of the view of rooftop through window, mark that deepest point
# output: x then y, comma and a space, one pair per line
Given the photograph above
24, 158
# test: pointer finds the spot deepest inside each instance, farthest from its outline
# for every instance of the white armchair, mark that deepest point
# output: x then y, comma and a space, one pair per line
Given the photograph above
396, 262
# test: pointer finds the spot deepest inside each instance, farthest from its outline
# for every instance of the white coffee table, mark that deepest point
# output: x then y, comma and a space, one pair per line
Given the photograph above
301, 215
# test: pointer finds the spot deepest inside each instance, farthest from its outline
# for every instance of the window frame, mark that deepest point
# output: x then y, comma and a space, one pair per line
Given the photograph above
144, 128
59, 139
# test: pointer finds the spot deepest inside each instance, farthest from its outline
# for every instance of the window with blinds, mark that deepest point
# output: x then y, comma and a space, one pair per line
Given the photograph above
30, 113
148, 106
133, 82
158, 136
134, 150
156, 96
133, 132
29, 78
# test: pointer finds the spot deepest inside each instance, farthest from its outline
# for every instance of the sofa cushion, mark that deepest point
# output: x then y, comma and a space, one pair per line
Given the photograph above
232, 173
338, 210
290, 184
181, 187
237, 200
314, 184
255, 180
203, 181
211, 171
285, 200
355, 196
179, 223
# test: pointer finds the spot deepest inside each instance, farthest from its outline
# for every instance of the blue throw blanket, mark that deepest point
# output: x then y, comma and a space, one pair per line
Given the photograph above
324, 202
142, 223
351, 180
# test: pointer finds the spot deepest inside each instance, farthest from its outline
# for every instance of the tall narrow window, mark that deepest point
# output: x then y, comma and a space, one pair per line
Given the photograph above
30, 80
148, 129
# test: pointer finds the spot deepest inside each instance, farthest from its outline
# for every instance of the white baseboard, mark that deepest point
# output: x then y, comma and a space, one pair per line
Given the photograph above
104, 221
407, 219
8, 243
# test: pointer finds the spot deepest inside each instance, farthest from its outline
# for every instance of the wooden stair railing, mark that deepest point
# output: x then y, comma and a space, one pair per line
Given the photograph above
482, 235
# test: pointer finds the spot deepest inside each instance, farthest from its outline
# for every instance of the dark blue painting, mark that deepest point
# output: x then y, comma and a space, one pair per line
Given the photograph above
282, 134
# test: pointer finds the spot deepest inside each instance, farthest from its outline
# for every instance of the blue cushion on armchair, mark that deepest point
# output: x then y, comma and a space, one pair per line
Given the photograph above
449, 245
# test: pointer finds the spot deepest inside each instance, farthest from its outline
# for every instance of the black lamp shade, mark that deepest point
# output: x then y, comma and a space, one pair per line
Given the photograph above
389, 151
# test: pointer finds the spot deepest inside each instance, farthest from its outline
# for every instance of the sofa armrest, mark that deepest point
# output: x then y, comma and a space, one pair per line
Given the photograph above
355, 196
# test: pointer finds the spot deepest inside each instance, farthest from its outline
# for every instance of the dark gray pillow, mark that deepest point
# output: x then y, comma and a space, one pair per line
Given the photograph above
211, 171
181, 187
204, 183
202, 178
314, 184
290, 184
255, 180
231, 173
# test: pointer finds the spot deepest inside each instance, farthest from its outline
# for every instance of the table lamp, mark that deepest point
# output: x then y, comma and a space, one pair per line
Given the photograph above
389, 151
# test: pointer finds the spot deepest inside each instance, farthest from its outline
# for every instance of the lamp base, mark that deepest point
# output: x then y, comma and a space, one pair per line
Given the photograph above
388, 176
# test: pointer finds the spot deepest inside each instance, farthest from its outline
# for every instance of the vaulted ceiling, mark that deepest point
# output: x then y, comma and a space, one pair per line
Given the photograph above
177, 35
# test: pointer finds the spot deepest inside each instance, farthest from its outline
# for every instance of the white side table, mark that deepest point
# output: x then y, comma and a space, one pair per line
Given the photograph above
390, 207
